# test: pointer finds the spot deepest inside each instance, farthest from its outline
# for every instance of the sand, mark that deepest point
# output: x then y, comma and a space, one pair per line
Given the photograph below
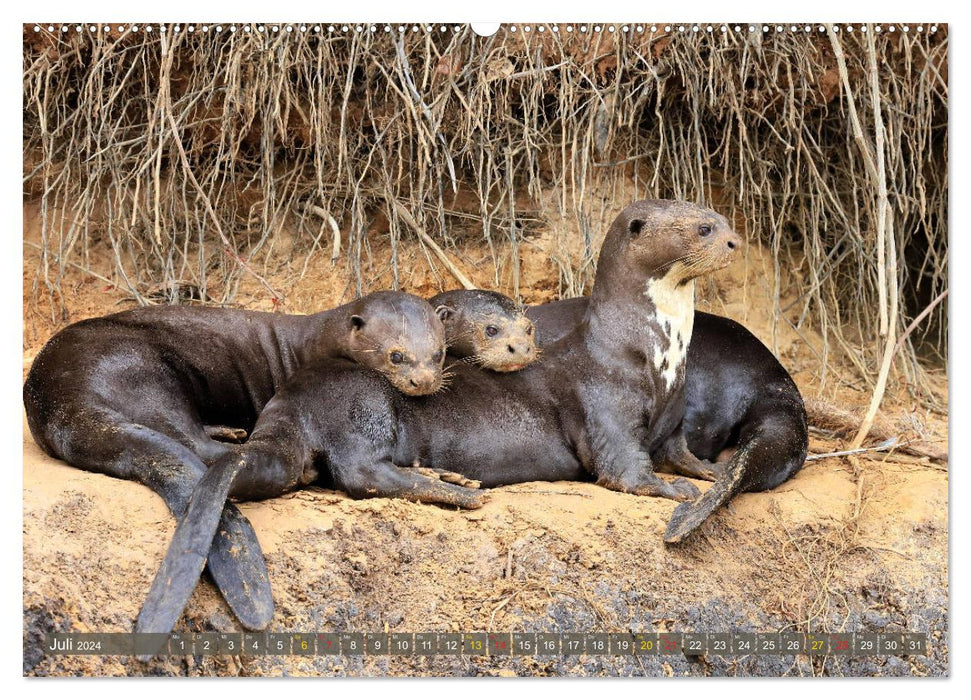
846, 545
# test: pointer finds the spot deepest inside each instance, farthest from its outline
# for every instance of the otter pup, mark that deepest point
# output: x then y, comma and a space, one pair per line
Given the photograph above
130, 394
486, 328
603, 400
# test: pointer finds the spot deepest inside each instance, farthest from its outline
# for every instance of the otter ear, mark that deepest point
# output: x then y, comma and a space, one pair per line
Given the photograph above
635, 227
444, 312
357, 323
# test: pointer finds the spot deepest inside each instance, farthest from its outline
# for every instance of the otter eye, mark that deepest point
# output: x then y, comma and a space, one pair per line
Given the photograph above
529, 330
437, 357
704, 230
492, 331
397, 358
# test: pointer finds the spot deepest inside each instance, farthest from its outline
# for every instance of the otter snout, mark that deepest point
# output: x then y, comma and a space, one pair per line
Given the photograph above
720, 246
516, 356
732, 241
421, 382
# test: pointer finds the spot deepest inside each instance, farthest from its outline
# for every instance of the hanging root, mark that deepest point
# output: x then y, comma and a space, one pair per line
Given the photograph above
183, 155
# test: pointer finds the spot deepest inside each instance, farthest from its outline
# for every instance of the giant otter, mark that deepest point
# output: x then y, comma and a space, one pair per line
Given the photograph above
605, 397
486, 328
131, 394
737, 394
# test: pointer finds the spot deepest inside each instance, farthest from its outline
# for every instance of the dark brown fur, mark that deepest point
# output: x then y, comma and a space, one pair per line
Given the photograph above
737, 395
596, 406
131, 394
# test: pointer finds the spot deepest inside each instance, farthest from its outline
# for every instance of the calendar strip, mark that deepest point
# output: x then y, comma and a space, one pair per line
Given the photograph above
491, 644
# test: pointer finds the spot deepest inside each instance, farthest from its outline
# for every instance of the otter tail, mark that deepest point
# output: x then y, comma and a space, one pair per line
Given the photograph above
688, 516
238, 568
129, 450
770, 451
189, 549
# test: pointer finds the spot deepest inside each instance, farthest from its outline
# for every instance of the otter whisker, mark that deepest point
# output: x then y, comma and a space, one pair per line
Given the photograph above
445, 383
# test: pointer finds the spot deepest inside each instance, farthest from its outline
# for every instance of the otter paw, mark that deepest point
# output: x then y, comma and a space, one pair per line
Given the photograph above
446, 476
678, 490
712, 471
473, 500
681, 490
453, 478
223, 433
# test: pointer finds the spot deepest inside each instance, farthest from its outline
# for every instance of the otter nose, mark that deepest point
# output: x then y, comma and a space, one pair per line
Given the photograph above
423, 382
734, 241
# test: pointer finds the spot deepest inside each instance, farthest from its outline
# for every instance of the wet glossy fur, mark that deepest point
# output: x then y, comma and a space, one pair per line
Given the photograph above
131, 394
594, 407
737, 394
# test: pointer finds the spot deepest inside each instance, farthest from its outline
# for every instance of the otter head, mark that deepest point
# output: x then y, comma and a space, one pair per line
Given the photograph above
400, 336
487, 328
648, 263
673, 240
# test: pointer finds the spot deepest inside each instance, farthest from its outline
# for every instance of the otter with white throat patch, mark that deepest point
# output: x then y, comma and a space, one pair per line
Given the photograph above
595, 408
737, 396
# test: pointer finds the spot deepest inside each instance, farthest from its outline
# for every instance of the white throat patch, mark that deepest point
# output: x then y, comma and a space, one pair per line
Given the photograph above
675, 310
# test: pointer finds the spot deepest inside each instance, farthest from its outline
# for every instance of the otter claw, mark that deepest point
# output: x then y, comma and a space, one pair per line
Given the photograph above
224, 433
446, 476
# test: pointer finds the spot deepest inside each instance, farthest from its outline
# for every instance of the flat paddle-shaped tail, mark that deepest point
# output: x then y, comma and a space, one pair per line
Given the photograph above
238, 568
688, 516
189, 549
